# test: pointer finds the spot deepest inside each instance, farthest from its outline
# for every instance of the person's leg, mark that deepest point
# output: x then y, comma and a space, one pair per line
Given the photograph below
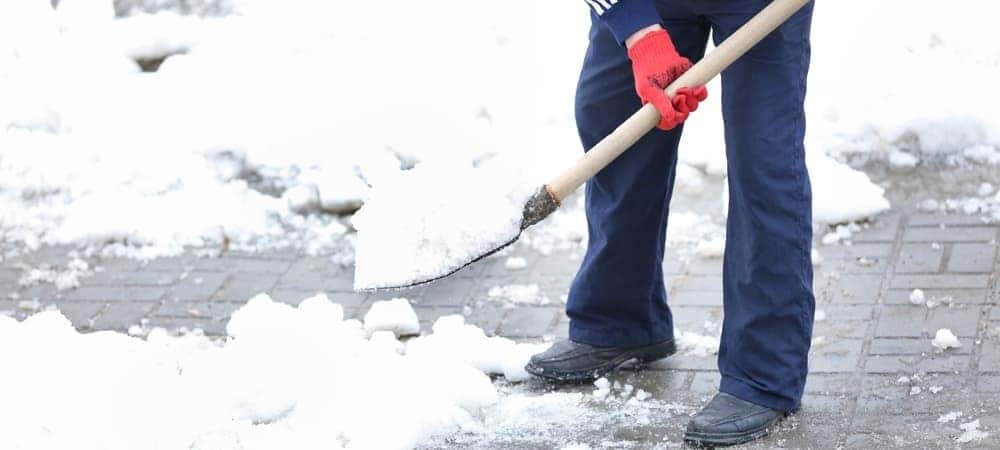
767, 275
618, 297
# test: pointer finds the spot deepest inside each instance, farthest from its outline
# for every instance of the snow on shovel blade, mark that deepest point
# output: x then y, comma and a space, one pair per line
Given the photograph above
439, 221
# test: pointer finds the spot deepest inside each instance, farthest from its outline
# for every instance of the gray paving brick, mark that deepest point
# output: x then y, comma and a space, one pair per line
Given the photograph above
349, 299
927, 220
908, 364
705, 383
901, 321
949, 234
181, 309
210, 326
696, 298
487, 316
882, 229
80, 314
855, 289
829, 383
248, 265
961, 320
940, 281
920, 258
989, 360
117, 293
701, 266
197, 286
841, 355
241, 287
122, 315
902, 296
972, 258
448, 292
913, 346
142, 278
529, 322
699, 283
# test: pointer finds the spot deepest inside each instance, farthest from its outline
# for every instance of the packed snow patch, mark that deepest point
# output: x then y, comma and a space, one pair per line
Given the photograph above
434, 219
286, 377
515, 263
694, 344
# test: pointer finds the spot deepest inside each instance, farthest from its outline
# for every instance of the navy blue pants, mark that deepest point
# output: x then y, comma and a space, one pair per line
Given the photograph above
618, 297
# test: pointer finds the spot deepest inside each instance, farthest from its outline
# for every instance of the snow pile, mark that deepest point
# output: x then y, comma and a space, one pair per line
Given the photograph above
515, 263
286, 377
917, 297
434, 219
945, 339
453, 339
396, 316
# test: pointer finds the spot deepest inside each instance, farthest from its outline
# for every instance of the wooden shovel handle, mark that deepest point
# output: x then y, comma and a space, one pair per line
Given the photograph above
769, 19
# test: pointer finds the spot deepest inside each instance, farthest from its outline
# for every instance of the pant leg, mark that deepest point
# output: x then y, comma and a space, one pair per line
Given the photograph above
767, 274
618, 297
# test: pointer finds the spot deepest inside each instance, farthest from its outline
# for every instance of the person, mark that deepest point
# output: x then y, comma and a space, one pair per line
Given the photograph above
617, 303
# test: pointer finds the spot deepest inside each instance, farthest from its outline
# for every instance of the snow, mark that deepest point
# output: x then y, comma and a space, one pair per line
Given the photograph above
515, 263
396, 316
949, 417
945, 339
518, 294
286, 377
421, 226
697, 345
970, 432
917, 297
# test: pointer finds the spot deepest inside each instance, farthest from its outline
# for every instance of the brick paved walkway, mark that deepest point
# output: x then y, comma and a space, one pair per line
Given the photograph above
872, 335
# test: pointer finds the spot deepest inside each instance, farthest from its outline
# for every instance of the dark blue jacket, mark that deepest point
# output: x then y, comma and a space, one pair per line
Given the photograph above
625, 17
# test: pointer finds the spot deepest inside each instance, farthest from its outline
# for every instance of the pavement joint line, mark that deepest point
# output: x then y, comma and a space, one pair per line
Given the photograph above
858, 378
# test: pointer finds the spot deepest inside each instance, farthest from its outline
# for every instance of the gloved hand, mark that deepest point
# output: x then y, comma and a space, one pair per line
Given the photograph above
656, 64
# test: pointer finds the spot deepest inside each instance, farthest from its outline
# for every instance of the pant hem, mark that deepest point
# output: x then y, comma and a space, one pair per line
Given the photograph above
743, 391
620, 337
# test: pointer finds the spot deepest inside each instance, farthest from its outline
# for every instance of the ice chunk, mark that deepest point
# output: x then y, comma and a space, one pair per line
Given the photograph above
970, 432
917, 297
945, 339
949, 417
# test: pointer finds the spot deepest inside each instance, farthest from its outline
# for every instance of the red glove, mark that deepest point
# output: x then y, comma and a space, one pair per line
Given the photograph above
656, 64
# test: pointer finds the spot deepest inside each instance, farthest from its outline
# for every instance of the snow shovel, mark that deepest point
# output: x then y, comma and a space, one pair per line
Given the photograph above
548, 197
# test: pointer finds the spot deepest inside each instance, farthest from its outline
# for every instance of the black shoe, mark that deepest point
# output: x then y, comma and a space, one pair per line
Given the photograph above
727, 420
570, 361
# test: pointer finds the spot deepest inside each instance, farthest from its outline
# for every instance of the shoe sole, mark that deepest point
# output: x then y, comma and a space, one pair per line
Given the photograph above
641, 355
698, 439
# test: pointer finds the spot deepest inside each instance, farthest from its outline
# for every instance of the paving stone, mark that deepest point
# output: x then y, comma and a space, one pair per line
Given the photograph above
695, 298
913, 346
142, 278
901, 321
949, 234
699, 283
702, 266
956, 296
928, 220
244, 265
840, 355
961, 320
705, 383
241, 287
941, 281
529, 322
919, 258
972, 258
81, 314
347, 299
448, 292
694, 318
210, 326
117, 293
856, 289
487, 316
212, 310
883, 229
197, 286
989, 361
120, 316
829, 383
907, 364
